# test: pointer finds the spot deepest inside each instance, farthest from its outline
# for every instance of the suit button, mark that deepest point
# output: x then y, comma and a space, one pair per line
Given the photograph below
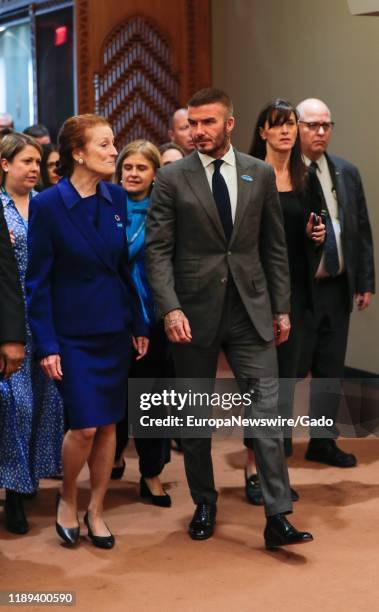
224, 279
229, 253
88, 277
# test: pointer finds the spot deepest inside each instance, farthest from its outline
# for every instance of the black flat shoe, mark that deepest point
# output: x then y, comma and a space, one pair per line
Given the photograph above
15, 519
280, 532
203, 522
253, 491
99, 541
164, 501
118, 472
70, 535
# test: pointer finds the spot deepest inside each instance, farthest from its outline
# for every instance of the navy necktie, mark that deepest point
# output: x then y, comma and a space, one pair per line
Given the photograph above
331, 259
222, 199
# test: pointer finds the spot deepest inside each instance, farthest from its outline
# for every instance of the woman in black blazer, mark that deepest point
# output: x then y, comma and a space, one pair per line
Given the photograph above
276, 141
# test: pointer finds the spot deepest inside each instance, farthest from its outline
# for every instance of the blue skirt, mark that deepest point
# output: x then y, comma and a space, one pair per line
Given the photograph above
95, 374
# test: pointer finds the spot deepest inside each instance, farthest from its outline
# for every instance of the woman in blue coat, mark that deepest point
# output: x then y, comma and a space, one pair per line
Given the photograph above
84, 311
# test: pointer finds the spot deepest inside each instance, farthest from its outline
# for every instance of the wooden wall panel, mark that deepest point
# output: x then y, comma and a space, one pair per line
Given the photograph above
183, 24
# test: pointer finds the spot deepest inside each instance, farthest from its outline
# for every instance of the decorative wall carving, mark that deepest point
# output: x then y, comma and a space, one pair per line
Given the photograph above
137, 89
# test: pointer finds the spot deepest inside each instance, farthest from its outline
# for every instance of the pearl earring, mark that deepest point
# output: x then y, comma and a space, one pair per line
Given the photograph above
81, 161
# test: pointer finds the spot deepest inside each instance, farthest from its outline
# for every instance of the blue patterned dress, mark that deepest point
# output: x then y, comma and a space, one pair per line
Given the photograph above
31, 409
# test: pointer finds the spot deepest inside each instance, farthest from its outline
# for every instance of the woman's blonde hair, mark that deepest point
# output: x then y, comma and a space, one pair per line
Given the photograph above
145, 148
11, 145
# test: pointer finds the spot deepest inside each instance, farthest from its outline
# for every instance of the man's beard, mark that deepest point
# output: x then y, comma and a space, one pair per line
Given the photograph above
221, 143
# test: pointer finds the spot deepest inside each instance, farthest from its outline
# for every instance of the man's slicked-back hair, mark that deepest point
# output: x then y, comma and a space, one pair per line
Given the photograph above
211, 95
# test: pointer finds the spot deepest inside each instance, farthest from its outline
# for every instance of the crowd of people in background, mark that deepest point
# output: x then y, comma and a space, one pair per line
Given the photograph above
107, 288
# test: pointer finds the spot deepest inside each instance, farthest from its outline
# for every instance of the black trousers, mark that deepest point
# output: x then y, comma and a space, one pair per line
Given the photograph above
324, 350
253, 362
153, 453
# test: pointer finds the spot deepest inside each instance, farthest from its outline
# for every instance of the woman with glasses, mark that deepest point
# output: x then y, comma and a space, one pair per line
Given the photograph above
49, 163
276, 141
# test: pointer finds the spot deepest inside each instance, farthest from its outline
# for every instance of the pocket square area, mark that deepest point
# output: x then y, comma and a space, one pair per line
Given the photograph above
246, 177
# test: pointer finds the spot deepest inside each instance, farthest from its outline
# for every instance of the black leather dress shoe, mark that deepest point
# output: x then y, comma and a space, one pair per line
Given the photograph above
70, 535
327, 451
118, 471
280, 532
203, 522
164, 501
99, 541
15, 519
253, 491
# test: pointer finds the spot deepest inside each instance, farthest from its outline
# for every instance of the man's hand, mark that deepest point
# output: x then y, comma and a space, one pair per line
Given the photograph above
282, 328
11, 357
177, 327
141, 345
317, 232
363, 300
51, 366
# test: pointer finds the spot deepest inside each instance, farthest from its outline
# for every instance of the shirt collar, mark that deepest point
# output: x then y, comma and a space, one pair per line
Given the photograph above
228, 158
71, 196
322, 164
7, 200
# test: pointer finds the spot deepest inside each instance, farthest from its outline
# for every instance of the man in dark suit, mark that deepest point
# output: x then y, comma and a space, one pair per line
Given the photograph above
217, 263
12, 323
345, 275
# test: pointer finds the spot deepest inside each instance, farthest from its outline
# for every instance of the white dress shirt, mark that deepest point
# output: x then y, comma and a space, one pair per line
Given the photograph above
228, 171
323, 174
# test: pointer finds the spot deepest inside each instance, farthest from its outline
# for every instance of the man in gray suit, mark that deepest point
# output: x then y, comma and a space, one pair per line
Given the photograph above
217, 264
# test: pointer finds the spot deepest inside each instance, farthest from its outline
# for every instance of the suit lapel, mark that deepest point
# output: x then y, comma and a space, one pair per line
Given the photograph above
82, 222
197, 180
244, 188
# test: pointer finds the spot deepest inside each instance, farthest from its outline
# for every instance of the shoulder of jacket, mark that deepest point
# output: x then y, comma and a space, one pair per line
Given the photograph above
253, 161
344, 164
46, 198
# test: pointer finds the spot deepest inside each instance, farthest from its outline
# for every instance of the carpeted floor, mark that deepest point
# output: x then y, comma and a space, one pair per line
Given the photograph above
155, 566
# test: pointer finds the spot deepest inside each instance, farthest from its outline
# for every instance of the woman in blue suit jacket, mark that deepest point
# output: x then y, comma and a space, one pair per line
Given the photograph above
84, 311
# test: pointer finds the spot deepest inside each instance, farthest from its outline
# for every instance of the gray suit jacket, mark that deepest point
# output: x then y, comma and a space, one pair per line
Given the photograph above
188, 259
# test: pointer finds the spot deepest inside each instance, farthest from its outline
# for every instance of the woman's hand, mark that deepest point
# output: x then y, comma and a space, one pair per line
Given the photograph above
12, 237
317, 232
51, 365
141, 345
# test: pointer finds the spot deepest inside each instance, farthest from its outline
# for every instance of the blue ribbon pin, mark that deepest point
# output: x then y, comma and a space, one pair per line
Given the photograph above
247, 178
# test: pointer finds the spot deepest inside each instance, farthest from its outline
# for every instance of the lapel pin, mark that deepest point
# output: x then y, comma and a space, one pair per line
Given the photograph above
117, 218
247, 178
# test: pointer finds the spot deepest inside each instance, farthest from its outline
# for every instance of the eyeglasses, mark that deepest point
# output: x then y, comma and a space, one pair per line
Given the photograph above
314, 126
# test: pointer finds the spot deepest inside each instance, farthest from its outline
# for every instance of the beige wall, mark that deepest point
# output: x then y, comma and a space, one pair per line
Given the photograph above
307, 48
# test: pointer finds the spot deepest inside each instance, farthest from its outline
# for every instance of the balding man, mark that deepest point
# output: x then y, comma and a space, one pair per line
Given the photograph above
6, 124
179, 131
345, 274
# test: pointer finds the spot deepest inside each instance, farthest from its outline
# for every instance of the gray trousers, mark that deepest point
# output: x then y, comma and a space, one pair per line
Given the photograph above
254, 364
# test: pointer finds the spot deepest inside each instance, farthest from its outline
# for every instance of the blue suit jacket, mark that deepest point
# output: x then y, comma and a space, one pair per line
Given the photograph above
78, 282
